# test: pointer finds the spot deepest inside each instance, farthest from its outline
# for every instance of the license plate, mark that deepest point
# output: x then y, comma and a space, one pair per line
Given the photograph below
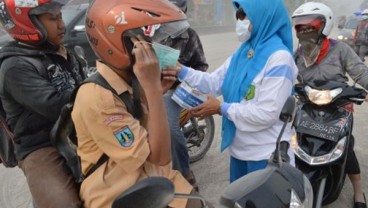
329, 131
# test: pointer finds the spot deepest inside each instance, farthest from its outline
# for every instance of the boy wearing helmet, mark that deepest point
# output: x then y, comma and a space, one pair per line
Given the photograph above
192, 55
122, 33
321, 58
361, 36
33, 95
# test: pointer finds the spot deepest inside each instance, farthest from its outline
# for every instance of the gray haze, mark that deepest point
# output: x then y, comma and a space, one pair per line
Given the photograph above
220, 12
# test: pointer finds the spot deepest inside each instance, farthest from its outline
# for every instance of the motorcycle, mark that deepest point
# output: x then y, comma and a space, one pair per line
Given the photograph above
323, 132
280, 183
199, 134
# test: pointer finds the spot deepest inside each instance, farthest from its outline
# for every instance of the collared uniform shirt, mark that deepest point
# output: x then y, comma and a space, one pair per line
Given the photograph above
104, 125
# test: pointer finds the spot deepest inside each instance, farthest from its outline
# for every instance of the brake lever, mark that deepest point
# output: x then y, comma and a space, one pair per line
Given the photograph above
357, 100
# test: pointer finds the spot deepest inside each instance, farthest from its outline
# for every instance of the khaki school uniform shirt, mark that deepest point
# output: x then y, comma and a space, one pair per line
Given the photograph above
103, 125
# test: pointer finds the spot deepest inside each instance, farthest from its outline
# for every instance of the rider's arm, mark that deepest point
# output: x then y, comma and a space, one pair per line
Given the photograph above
356, 69
197, 58
158, 127
30, 89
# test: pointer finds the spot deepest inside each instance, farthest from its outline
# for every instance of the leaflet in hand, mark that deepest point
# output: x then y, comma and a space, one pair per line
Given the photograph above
188, 97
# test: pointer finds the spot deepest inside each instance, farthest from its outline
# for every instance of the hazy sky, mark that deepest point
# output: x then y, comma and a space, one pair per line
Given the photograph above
343, 7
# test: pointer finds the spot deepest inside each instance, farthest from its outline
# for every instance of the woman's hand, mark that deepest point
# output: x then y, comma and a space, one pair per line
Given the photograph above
172, 71
169, 77
210, 107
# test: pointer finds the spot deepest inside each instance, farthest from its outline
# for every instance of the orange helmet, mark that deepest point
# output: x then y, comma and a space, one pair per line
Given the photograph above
19, 18
111, 23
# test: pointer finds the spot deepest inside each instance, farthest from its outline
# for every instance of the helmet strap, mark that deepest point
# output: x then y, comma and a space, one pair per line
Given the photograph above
136, 97
41, 28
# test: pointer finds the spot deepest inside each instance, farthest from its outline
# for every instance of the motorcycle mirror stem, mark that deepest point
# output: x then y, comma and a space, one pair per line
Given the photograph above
286, 116
190, 196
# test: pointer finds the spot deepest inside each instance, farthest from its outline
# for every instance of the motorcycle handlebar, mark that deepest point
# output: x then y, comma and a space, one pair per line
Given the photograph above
349, 93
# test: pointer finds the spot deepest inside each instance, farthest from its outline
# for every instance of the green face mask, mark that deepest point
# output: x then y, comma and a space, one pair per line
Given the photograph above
166, 56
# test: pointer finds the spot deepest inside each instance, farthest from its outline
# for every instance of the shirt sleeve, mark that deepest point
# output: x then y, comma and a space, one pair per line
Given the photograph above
30, 89
356, 69
208, 83
108, 124
198, 60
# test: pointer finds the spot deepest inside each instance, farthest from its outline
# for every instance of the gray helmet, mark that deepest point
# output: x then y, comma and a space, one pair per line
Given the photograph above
182, 4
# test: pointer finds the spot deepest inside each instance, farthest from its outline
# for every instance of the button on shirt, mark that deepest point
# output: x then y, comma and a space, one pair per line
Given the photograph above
104, 125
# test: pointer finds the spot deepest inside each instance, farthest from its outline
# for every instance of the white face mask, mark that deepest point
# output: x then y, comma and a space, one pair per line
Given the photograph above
242, 30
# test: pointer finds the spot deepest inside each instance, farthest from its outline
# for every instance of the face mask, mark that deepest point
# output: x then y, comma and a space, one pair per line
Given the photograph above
242, 30
365, 16
311, 51
166, 56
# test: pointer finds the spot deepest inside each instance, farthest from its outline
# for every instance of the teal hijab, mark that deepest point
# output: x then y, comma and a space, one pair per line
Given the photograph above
271, 31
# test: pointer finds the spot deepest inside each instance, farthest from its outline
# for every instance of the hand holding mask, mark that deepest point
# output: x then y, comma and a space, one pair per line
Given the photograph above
166, 56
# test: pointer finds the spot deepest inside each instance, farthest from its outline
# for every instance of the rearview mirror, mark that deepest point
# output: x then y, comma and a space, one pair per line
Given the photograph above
287, 111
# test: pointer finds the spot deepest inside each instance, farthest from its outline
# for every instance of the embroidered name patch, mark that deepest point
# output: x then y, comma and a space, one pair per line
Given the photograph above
110, 119
124, 136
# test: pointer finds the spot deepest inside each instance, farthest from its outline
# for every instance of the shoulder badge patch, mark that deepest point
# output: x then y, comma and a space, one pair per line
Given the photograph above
124, 136
251, 92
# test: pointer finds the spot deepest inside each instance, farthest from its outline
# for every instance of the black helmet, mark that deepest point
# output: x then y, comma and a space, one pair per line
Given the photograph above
182, 4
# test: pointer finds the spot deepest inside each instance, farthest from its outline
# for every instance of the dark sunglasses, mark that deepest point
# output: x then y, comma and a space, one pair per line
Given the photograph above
240, 14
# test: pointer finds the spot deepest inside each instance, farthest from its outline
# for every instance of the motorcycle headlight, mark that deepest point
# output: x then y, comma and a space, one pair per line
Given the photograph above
295, 202
321, 97
340, 37
323, 159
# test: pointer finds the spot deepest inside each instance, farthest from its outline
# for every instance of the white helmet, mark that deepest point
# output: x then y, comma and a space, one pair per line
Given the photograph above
310, 13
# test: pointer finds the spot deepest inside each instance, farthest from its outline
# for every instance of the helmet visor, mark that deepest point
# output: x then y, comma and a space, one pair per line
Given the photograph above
52, 7
317, 21
182, 4
154, 33
159, 32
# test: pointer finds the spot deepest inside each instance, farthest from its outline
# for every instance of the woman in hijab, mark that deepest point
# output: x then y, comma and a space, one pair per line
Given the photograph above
254, 82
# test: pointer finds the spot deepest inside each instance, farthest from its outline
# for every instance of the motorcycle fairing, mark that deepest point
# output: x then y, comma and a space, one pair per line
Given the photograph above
270, 183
